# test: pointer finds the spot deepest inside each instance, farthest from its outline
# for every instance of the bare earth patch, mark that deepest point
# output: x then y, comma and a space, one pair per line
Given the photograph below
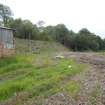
92, 81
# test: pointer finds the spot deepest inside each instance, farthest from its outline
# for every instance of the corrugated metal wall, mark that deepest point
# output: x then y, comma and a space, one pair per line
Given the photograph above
6, 42
6, 38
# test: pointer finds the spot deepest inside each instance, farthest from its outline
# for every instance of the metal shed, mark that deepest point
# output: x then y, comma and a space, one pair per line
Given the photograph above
7, 46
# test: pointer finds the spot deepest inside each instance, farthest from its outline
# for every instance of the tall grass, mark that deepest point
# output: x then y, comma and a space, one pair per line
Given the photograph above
37, 81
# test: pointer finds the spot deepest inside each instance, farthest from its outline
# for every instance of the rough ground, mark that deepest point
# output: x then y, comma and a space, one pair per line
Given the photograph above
92, 81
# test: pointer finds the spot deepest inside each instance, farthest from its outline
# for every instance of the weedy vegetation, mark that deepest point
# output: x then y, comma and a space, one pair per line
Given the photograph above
37, 75
95, 94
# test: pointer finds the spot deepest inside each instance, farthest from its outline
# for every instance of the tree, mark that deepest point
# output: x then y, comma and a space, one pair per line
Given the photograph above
101, 43
24, 29
5, 13
85, 40
49, 32
103, 48
84, 31
61, 33
70, 40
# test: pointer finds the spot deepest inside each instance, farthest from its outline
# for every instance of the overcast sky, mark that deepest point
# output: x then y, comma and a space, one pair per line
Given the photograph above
75, 14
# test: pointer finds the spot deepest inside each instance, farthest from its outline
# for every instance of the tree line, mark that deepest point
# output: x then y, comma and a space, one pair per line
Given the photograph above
82, 41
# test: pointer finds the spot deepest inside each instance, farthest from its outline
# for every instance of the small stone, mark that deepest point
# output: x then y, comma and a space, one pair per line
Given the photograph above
60, 56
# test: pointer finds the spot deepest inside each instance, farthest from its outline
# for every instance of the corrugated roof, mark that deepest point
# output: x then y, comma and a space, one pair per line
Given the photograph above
6, 28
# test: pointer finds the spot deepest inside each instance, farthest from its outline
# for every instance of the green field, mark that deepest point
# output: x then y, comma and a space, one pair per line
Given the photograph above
37, 76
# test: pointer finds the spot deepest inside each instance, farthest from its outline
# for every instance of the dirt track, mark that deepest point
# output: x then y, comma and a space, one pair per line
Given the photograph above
92, 81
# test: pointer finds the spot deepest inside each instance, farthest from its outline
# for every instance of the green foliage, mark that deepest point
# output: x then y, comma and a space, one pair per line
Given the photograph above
24, 29
5, 14
81, 41
86, 41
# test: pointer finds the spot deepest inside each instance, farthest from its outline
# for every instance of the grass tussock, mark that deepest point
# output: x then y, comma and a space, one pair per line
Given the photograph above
72, 87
